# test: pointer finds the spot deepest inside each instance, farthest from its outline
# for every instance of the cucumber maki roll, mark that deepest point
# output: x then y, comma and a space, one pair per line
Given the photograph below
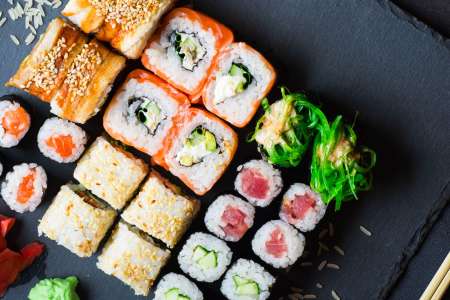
177, 287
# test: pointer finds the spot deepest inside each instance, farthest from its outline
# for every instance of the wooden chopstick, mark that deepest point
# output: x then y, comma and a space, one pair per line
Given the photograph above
440, 282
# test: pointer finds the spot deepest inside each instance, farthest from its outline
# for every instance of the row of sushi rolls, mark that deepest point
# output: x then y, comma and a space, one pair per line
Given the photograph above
180, 111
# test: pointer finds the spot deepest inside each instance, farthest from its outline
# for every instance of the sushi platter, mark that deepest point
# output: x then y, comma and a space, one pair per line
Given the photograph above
180, 151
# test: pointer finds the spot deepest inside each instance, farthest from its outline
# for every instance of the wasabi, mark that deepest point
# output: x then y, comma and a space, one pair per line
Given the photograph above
55, 289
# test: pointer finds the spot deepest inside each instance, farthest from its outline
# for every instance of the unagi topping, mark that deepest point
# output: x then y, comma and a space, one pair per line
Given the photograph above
299, 206
26, 187
276, 244
234, 222
254, 184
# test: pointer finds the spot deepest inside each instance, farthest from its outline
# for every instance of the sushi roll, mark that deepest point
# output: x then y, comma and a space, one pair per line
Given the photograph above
183, 50
24, 187
161, 210
247, 280
204, 257
142, 111
199, 150
229, 217
132, 257
110, 173
88, 15
302, 207
61, 140
278, 244
259, 182
240, 79
177, 287
44, 70
129, 24
77, 220
87, 84
14, 123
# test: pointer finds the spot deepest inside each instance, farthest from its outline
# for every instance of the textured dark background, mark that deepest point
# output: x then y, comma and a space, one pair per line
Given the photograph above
350, 55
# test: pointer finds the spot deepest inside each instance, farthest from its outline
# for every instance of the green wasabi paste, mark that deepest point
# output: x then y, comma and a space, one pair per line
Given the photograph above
55, 289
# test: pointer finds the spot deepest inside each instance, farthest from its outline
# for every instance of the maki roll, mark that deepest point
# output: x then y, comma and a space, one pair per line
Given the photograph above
247, 280
24, 187
204, 257
61, 140
259, 182
133, 257
183, 50
177, 287
14, 123
161, 210
77, 220
302, 207
278, 244
199, 150
229, 217
240, 79
143, 111
110, 172
88, 15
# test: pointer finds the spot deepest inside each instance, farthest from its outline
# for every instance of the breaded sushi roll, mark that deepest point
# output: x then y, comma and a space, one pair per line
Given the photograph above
177, 287
229, 217
278, 244
110, 173
77, 220
204, 257
240, 79
44, 70
143, 110
88, 15
161, 210
87, 84
259, 182
24, 187
14, 123
183, 50
199, 150
132, 257
129, 24
61, 140
302, 207
247, 280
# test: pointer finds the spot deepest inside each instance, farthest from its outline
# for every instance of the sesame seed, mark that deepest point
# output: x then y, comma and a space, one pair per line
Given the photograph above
14, 39
365, 230
322, 265
335, 295
339, 250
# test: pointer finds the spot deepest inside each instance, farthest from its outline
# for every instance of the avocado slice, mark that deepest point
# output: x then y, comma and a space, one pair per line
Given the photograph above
210, 141
209, 261
186, 160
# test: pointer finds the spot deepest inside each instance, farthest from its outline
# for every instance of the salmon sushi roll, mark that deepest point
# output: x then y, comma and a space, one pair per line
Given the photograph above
302, 207
61, 140
88, 15
14, 123
183, 50
259, 182
24, 187
143, 110
199, 150
278, 244
240, 79
229, 217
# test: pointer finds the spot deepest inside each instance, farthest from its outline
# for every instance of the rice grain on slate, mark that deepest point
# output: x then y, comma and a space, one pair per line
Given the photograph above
335, 295
322, 265
14, 39
319, 285
365, 230
333, 266
309, 296
339, 250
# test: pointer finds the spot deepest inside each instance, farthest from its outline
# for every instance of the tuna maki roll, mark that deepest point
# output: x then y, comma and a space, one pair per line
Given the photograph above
229, 217
204, 257
247, 280
278, 244
259, 182
14, 123
177, 287
302, 207
24, 187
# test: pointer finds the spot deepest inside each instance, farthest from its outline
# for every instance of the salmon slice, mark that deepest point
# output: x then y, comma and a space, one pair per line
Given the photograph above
26, 187
16, 122
62, 144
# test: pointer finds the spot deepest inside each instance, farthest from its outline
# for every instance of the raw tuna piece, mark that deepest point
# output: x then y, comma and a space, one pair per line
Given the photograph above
234, 219
276, 245
254, 183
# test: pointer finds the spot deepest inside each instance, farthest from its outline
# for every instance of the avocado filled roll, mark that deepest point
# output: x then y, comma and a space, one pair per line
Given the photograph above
143, 110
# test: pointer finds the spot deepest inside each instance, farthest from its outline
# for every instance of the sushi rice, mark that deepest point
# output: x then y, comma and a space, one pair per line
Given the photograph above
14, 123
24, 187
177, 287
61, 140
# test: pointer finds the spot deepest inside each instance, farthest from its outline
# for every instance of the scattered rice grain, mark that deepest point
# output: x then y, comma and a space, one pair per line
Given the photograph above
2, 21
309, 296
322, 265
339, 250
319, 285
324, 247
29, 39
335, 295
296, 289
323, 233
365, 230
333, 266
14, 39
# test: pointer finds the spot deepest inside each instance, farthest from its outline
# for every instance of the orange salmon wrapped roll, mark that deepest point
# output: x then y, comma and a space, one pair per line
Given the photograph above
142, 111
240, 79
183, 50
199, 149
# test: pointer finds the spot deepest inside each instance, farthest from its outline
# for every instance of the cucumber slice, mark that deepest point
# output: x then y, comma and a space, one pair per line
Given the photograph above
172, 294
248, 289
199, 253
235, 70
209, 261
240, 281
183, 297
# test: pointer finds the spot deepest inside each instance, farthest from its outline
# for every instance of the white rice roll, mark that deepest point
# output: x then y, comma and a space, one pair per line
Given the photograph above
14, 123
229, 217
24, 187
259, 182
204, 257
302, 207
61, 140
176, 286
278, 244
247, 280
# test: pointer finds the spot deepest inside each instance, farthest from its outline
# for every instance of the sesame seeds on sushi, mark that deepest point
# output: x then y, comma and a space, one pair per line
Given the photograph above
14, 123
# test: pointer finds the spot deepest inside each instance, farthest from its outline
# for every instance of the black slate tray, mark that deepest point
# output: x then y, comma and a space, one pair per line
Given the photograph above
353, 55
